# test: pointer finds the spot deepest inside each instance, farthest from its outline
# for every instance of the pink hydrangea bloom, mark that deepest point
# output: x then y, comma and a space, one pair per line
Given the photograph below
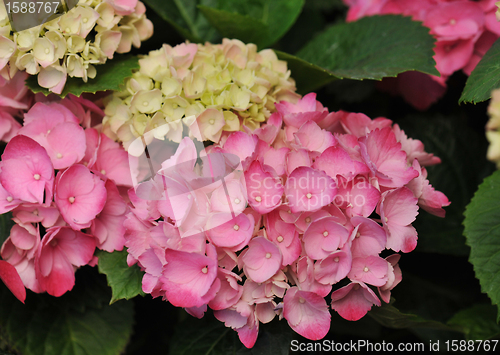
79, 209
309, 199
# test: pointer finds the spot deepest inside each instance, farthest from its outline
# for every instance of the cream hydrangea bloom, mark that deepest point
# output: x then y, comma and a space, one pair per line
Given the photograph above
72, 44
493, 128
225, 86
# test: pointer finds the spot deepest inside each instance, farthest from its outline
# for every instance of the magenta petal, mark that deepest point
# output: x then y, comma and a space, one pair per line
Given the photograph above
12, 280
80, 196
61, 278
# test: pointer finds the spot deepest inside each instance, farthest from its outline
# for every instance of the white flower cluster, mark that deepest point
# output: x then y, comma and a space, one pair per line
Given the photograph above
224, 86
73, 43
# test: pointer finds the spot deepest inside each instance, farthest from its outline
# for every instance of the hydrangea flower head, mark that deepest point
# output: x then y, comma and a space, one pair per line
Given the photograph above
64, 204
226, 87
65, 47
268, 222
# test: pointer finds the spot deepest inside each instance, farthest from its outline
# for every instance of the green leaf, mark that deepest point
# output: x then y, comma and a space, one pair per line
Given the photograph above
6, 224
478, 322
307, 76
482, 230
210, 337
484, 78
262, 22
186, 18
110, 76
125, 281
234, 25
389, 316
462, 168
372, 48
78, 323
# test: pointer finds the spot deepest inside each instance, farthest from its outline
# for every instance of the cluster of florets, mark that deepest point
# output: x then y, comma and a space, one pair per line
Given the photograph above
464, 31
492, 128
234, 81
75, 42
61, 180
267, 223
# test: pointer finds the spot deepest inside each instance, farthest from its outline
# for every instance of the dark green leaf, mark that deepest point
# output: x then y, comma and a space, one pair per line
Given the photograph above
307, 76
484, 78
210, 337
125, 281
372, 48
6, 224
109, 77
477, 322
261, 22
482, 230
234, 25
463, 166
186, 18
389, 316
78, 323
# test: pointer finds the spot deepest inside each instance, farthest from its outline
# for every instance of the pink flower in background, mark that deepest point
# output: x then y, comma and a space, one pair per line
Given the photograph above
52, 141
464, 30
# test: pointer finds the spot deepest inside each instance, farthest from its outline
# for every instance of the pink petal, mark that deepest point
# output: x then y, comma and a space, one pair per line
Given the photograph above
353, 301
12, 280
306, 313
307, 189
